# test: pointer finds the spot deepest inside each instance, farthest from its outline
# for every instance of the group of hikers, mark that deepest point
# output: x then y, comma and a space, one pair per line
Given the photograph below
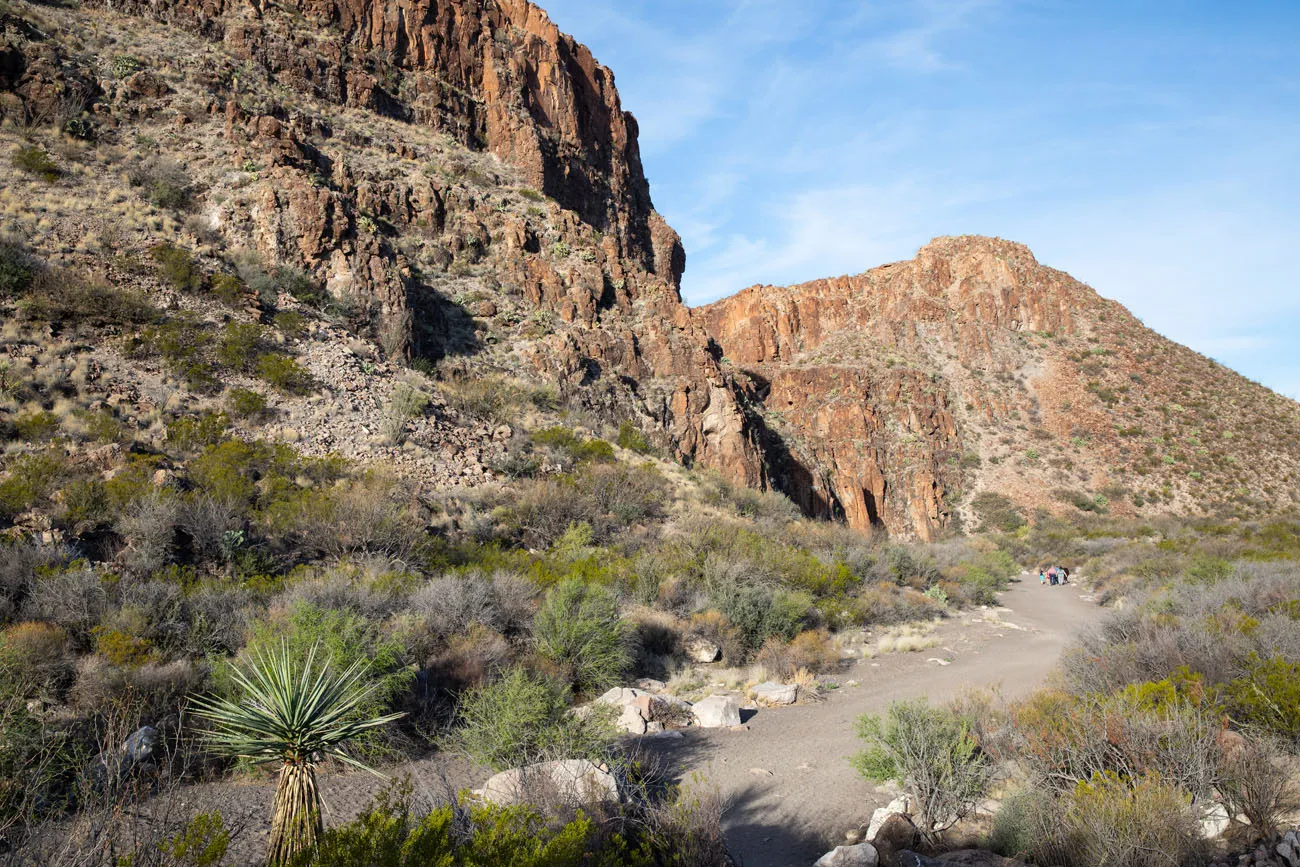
1054, 575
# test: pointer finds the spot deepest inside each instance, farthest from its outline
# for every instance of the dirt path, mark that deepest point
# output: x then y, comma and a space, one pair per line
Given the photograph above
794, 793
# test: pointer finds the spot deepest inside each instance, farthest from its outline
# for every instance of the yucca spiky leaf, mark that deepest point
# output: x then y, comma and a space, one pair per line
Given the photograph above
290, 713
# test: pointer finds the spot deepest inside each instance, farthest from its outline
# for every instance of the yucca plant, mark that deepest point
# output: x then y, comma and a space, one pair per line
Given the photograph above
296, 716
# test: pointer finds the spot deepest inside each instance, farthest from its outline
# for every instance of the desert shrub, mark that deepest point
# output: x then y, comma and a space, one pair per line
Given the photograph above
453, 603
238, 345
406, 402
163, 183
212, 529
17, 267
227, 288
61, 297
758, 613
545, 508
149, 527
32, 479
523, 718
20, 564
283, 373
1255, 782
150, 691
360, 517
748, 502
125, 65
246, 403
571, 449
291, 323
812, 651
1267, 696
933, 754
491, 398
35, 161
625, 494
203, 842
578, 630
195, 433
73, 599
177, 267
391, 834
37, 655
1129, 822
997, 512
40, 426
1064, 740
631, 438
887, 603
122, 649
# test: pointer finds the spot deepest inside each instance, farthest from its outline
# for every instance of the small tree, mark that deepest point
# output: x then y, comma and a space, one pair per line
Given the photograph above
933, 754
297, 717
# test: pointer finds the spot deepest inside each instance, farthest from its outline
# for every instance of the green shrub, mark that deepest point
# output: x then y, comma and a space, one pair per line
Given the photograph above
126, 65
1267, 696
37, 427
16, 267
523, 718
933, 753
177, 267
246, 403
227, 288
194, 433
390, 835
490, 398
579, 631
759, 614
283, 373
238, 345
631, 438
32, 478
572, 448
34, 161
203, 842
1128, 822
291, 323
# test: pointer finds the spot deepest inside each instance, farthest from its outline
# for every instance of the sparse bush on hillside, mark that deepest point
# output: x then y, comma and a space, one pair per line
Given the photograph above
62, 298
17, 267
164, 184
177, 267
997, 512
35, 161
283, 373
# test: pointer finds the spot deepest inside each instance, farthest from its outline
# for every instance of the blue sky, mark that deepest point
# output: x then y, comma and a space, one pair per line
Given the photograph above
1150, 148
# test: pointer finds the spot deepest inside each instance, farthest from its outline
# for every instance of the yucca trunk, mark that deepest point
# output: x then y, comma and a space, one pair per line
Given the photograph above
296, 820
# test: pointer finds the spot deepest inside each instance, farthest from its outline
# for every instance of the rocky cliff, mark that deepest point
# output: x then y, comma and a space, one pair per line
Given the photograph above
458, 170
895, 397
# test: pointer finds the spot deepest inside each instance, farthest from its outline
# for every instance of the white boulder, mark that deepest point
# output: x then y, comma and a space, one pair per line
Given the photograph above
860, 855
573, 781
700, 649
771, 693
902, 804
717, 712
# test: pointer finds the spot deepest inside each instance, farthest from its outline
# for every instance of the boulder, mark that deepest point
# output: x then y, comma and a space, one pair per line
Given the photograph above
771, 693
717, 712
900, 805
895, 835
572, 781
701, 650
1214, 821
860, 855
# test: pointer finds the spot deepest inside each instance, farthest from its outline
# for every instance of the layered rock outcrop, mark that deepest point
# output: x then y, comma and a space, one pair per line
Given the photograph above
895, 397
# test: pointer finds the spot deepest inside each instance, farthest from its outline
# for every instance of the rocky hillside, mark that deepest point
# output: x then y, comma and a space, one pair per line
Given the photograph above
974, 374
457, 177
